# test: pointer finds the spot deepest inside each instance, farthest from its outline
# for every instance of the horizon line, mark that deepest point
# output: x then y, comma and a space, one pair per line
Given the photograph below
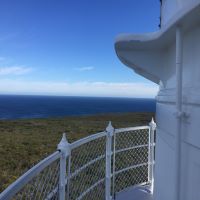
84, 96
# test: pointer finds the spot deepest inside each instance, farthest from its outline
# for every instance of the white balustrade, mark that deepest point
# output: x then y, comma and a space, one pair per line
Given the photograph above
91, 167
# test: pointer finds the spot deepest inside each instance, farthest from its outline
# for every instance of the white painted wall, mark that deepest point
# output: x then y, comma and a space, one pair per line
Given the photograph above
166, 123
171, 7
168, 9
138, 52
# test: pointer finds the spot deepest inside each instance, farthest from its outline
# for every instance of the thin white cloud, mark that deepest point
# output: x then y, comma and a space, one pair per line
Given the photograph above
82, 69
14, 70
79, 88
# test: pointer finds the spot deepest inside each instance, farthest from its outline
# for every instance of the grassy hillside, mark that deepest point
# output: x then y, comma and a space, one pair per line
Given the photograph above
25, 142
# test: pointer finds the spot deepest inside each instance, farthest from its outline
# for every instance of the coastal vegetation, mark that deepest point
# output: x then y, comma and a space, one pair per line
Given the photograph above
23, 143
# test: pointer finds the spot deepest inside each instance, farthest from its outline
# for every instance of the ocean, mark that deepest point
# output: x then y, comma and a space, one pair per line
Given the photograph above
27, 107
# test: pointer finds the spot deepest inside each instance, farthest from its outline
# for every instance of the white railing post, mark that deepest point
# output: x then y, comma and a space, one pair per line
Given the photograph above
110, 131
113, 165
64, 147
68, 175
152, 128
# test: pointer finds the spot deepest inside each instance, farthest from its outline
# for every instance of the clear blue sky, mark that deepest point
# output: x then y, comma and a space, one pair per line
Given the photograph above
66, 47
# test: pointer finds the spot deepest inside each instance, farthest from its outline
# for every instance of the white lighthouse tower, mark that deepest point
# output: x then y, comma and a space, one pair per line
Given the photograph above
171, 57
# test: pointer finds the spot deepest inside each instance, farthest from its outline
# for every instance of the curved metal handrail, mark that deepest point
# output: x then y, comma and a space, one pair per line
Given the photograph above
87, 139
120, 130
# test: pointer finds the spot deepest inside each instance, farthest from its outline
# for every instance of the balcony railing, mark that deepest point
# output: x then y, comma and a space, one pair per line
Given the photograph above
95, 167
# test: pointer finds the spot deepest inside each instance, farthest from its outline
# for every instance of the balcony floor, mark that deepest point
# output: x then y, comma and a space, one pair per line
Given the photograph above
135, 193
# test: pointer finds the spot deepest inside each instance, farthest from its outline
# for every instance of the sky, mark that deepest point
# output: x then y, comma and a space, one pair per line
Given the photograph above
66, 47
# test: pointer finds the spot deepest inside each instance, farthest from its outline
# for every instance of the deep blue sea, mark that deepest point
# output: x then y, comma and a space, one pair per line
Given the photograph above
23, 107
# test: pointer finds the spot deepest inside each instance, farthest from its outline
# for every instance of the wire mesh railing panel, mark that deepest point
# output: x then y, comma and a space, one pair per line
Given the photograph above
132, 138
42, 184
87, 167
87, 178
131, 177
98, 192
131, 158
87, 152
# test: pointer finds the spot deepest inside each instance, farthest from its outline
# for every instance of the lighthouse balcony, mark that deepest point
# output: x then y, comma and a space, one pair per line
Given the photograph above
113, 164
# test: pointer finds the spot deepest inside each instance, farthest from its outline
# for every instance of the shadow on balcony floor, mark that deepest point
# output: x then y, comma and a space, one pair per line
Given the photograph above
135, 193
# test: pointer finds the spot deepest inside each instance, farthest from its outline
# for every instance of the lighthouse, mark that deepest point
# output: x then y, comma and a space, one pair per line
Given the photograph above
170, 57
